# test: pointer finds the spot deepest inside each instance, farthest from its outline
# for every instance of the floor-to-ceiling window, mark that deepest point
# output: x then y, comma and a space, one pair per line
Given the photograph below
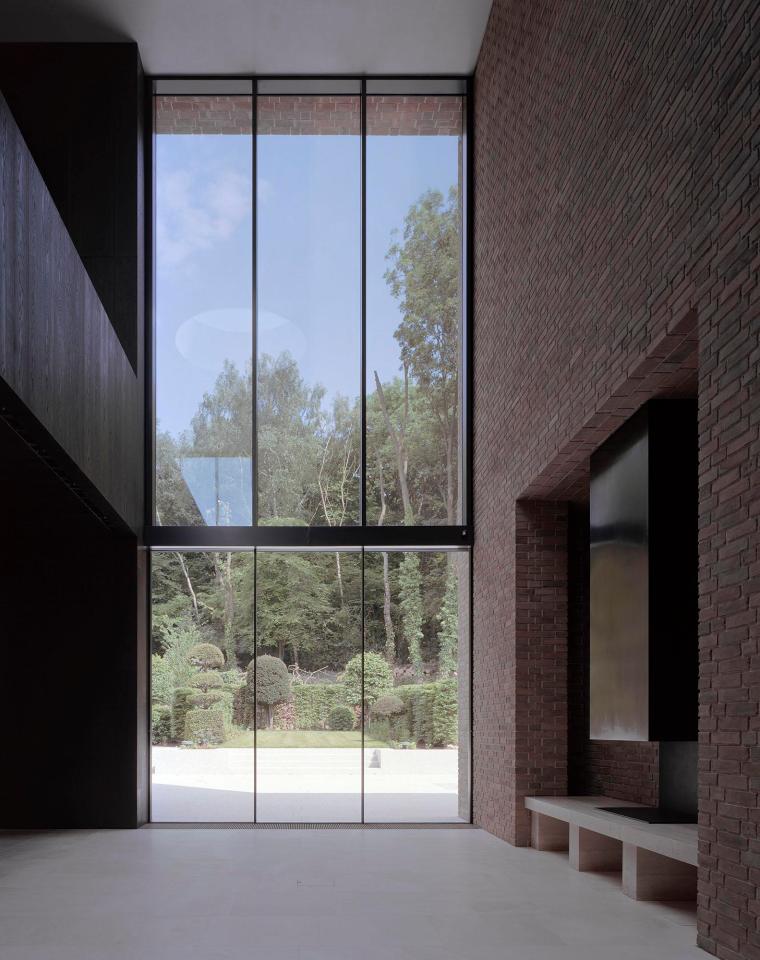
309, 537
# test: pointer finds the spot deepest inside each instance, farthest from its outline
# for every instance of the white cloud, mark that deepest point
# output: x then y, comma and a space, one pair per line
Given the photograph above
193, 215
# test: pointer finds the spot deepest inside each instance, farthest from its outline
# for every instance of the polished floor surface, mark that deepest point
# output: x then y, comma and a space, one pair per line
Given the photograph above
383, 894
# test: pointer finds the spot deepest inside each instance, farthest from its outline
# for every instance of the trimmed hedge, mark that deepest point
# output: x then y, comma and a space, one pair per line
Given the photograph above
205, 726
314, 701
161, 723
341, 718
206, 656
179, 711
430, 714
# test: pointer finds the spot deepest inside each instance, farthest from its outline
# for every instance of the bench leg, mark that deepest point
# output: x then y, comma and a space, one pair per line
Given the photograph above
650, 876
593, 851
547, 833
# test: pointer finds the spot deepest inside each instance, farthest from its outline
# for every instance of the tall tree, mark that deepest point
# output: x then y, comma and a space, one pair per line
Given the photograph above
410, 599
424, 275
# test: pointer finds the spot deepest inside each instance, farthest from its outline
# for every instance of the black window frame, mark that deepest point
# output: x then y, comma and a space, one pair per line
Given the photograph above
359, 535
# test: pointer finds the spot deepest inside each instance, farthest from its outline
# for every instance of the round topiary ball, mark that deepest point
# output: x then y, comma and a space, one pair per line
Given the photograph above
205, 700
341, 718
206, 656
389, 705
207, 680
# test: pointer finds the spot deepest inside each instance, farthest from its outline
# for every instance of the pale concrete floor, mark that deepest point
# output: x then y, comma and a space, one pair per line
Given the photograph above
390, 894
307, 784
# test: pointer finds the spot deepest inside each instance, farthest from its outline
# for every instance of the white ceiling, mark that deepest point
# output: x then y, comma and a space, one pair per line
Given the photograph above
267, 36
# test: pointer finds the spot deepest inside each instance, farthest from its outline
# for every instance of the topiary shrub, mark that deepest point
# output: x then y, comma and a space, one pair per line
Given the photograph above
268, 683
205, 726
341, 718
207, 680
161, 724
206, 699
180, 706
389, 705
206, 656
378, 679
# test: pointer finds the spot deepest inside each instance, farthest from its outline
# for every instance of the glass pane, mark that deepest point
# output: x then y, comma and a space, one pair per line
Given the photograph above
414, 309
308, 681
417, 687
203, 309
308, 309
202, 756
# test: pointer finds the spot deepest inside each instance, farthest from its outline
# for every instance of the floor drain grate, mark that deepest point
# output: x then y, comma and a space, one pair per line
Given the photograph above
309, 826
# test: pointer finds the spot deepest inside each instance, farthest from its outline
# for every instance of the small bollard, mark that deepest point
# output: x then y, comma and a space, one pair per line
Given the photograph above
375, 759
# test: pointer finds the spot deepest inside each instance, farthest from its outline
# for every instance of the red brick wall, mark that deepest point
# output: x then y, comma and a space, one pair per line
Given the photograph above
335, 115
617, 223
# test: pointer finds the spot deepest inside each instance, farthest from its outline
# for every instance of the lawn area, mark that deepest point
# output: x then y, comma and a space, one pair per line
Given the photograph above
302, 738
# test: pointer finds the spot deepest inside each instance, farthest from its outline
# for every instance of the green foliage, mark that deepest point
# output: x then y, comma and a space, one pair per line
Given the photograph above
388, 705
270, 679
175, 637
232, 679
283, 625
161, 724
204, 727
430, 713
206, 656
341, 718
162, 688
378, 678
424, 276
180, 706
314, 701
207, 680
410, 593
445, 712
448, 635
204, 700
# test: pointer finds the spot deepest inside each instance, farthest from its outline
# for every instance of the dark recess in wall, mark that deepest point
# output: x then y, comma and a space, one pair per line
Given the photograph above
78, 107
70, 678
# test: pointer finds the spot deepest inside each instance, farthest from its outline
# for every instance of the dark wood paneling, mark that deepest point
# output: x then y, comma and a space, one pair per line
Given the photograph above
77, 106
59, 353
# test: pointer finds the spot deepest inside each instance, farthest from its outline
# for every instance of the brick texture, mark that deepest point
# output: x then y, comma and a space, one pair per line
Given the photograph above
316, 115
616, 250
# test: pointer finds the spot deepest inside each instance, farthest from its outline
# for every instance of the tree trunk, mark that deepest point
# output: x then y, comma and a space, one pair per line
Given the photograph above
399, 441
390, 636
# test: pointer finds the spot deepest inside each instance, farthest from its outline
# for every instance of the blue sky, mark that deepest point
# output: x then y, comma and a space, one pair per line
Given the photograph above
309, 248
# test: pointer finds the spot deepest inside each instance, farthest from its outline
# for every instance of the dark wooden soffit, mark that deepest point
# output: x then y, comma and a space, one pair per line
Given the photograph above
59, 354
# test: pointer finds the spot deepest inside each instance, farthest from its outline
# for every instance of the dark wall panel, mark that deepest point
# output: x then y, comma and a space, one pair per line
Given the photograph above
70, 687
77, 105
58, 352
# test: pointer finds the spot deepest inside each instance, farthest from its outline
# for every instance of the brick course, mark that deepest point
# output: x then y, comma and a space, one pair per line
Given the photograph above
286, 115
617, 232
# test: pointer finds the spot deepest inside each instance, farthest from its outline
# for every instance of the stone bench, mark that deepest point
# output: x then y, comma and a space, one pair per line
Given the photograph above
658, 861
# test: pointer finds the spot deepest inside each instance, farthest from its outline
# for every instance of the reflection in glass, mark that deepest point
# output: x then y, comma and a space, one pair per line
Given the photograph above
308, 309
203, 309
414, 309
309, 666
416, 643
